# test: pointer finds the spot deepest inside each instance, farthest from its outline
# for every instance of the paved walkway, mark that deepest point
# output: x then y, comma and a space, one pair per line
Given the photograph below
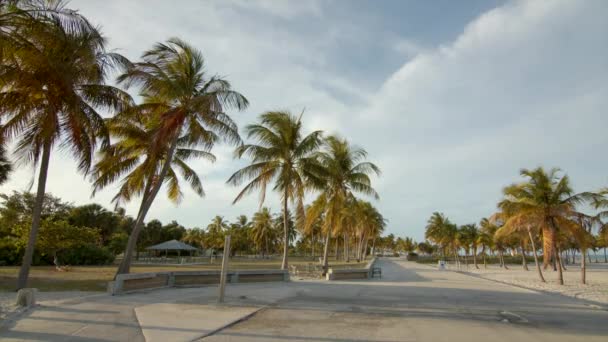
417, 303
411, 303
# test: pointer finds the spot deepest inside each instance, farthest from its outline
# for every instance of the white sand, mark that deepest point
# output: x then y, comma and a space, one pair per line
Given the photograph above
595, 290
8, 299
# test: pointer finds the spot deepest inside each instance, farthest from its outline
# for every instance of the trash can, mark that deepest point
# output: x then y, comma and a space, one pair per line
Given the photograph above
441, 265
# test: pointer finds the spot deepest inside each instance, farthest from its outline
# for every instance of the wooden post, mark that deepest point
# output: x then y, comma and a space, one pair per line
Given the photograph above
224, 274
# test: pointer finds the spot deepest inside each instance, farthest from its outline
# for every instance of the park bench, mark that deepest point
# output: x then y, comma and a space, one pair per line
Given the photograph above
378, 271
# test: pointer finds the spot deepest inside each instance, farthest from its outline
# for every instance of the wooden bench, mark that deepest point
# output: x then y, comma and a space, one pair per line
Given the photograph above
378, 271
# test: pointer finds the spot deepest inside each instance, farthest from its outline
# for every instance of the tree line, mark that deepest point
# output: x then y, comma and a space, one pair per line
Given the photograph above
92, 235
541, 215
54, 67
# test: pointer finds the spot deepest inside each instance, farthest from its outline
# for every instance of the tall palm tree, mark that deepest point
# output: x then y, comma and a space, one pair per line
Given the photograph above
344, 172
215, 232
262, 230
132, 158
468, 236
486, 238
547, 201
186, 106
370, 225
280, 154
313, 231
52, 81
443, 232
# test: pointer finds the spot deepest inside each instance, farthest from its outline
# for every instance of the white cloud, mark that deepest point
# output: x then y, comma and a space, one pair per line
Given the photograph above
524, 85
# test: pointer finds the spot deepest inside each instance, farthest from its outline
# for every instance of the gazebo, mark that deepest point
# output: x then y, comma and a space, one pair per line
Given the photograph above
172, 245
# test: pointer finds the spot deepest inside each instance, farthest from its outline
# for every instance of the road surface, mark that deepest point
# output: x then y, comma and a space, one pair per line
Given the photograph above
411, 303
418, 303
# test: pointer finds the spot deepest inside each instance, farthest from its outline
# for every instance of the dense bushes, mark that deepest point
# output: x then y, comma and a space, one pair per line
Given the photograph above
86, 255
411, 256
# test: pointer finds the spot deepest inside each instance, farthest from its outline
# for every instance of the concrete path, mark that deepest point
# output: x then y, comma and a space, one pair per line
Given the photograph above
417, 303
411, 303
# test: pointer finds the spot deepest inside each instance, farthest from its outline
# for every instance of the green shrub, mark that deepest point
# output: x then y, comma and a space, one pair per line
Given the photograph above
86, 255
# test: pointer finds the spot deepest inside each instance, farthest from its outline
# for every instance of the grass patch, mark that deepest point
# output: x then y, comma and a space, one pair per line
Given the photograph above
95, 278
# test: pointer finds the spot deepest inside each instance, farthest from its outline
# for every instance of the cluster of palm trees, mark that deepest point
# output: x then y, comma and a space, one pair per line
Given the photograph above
540, 213
262, 235
294, 164
54, 68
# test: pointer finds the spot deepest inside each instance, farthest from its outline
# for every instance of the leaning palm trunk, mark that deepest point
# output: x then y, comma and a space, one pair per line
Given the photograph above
24, 271
125, 264
583, 266
559, 262
284, 264
540, 273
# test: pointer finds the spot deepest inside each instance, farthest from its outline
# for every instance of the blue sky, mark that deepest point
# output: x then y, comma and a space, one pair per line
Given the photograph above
450, 98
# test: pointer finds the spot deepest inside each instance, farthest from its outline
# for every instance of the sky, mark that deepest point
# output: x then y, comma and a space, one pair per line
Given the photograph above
450, 98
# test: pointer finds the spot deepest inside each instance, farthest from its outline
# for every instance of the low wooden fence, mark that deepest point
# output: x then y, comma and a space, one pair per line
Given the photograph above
352, 273
126, 283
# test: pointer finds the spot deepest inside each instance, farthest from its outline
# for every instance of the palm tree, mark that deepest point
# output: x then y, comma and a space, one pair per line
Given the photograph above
5, 165
186, 108
132, 157
215, 232
52, 81
468, 236
262, 230
344, 172
485, 239
281, 154
313, 231
370, 225
547, 201
195, 237
443, 232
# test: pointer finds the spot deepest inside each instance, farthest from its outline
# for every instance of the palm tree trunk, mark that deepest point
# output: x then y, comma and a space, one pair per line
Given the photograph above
346, 249
312, 242
583, 267
540, 273
595, 255
475, 257
605, 255
24, 271
326, 251
558, 261
523, 256
284, 264
125, 264
337, 251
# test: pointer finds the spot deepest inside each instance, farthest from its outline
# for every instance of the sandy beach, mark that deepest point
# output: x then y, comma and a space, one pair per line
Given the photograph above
595, 290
